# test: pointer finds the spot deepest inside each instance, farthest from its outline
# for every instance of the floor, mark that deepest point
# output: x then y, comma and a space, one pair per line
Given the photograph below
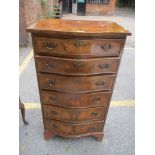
119, 127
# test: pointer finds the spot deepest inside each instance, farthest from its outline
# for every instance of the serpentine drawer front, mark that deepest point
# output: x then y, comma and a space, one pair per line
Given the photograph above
75, 84
101, 47
76, 64
74, 115
73, 129
78, 100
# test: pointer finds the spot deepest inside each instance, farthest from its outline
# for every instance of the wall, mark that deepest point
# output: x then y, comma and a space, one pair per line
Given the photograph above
101, 9
29, 12
22, 25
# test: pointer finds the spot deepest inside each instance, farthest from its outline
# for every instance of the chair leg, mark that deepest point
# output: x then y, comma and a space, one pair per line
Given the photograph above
22, 108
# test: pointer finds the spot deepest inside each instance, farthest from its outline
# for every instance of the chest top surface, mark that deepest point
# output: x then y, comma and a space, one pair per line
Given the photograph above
77, 27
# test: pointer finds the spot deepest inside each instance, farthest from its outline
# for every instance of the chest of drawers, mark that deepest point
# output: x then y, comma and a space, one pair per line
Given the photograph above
76, 65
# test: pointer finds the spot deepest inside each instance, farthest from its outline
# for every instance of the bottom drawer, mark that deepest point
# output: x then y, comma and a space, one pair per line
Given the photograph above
73, 129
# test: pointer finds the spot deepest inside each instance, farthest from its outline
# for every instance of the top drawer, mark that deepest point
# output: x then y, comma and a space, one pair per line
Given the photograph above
74, 47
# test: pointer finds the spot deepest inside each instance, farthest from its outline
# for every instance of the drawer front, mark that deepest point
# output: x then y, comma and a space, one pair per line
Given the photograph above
76, 66
76, 115
76, 100
73, 129
96, 47
75, 84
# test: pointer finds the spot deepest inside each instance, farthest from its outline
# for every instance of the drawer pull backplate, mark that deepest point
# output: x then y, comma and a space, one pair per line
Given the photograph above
96, 99
106, 46
53, 98
104, 66
52, 82
54, 113
94, 113
100, 83
54, 126
51, 65
50, 45
92, 129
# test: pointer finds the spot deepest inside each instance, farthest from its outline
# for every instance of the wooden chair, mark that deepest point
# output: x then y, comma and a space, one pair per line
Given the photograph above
22, 108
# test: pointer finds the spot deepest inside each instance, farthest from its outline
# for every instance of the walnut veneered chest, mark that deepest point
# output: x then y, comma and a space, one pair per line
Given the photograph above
76, 64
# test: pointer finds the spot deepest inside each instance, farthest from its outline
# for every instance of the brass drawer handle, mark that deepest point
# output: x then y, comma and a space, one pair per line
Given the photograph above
92, 129
94, 114
54, 126
52, 82
106, 46
100, 83
50, 45
51, 65
96, 99
54, 113
53, 98
103, 66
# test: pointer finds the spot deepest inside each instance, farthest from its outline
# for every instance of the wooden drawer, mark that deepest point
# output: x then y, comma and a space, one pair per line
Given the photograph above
76, 115
73, 129
76, 66
76, 100
75, 84
74, 47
